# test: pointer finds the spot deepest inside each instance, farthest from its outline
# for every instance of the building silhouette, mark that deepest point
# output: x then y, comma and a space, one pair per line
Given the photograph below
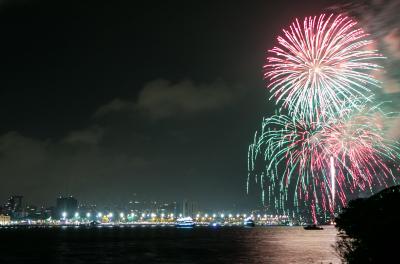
189, 208
66, 207
13, 206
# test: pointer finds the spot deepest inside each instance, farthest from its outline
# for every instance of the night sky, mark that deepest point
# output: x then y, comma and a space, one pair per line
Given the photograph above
104, 101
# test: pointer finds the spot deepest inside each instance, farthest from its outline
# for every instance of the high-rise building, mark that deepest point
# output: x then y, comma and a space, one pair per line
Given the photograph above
167, 208
67, 206
189, 208
13, 207
31, 211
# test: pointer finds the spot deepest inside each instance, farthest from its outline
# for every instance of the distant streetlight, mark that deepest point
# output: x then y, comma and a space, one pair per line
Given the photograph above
64, 215
76, 215
87, 215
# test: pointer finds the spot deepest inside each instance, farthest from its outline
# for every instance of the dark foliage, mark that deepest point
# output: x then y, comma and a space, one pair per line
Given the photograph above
370, 229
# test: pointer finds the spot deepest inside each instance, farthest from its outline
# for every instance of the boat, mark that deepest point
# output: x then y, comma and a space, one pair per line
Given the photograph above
215, 224
94, 224
313, 227
249, 222
184, 222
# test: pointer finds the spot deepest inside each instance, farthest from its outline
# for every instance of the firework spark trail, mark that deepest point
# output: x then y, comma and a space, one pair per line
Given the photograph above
333, 183
320, 66
360, 148
350, 148
290, 147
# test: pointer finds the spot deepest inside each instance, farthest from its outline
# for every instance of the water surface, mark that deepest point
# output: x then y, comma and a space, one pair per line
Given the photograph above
276, 245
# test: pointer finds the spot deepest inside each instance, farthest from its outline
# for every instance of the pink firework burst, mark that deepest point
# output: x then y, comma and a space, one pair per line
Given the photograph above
320, 65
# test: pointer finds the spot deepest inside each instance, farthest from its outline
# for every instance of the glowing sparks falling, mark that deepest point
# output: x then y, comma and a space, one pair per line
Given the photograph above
332, 182
293, 168
309, 164
320, 65
361, 150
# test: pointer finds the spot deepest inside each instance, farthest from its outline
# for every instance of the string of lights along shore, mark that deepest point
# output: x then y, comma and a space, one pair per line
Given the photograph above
328, 137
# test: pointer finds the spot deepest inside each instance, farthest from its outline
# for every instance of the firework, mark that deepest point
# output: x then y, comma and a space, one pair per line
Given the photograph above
319, 163
361, 151
293, 169
320, 65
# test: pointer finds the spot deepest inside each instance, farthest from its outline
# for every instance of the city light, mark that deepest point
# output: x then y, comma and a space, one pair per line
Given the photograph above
81, 216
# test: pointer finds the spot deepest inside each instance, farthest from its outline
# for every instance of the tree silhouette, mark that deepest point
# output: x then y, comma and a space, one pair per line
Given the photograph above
369, 229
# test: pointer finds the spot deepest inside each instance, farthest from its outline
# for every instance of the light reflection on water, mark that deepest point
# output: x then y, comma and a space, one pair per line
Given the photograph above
276, 245
294, 245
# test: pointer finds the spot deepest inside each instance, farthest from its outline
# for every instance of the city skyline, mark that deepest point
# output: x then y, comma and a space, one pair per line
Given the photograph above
70, 211
19, 203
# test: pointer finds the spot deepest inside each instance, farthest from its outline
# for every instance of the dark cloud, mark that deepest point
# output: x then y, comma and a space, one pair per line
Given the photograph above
90, 135
160, 99
116, 105
72, 165
123, 151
